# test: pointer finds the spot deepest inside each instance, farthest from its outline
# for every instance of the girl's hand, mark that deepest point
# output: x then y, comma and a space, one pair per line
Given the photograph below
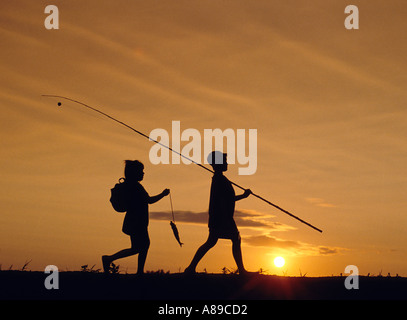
166, 192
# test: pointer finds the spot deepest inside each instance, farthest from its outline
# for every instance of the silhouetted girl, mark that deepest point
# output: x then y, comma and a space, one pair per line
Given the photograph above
135, 222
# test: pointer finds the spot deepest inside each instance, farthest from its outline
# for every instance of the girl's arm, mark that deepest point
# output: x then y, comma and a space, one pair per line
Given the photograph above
158, 197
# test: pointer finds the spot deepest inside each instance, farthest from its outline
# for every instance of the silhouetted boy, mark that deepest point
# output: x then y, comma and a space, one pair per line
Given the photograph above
221, 209
135, 222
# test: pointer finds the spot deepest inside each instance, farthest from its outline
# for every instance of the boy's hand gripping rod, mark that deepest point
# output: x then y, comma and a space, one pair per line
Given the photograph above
185, 157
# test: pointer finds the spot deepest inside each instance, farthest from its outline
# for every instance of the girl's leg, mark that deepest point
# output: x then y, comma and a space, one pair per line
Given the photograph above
107, 260
122, 254
143, 256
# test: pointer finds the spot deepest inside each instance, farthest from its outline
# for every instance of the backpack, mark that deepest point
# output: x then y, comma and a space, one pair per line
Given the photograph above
118, 197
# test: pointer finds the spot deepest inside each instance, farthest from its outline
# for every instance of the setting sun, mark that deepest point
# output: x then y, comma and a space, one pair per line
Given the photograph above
279, 262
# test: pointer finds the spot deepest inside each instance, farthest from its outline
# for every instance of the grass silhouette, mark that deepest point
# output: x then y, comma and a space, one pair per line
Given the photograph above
91, 284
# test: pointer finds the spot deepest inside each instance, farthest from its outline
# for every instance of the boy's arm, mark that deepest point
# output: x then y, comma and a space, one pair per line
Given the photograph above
159, 196
246, 193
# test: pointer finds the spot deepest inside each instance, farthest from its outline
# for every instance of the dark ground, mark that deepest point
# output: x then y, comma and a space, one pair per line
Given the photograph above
17, 285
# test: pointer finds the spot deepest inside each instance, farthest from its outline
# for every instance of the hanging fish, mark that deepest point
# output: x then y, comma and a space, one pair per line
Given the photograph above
173, 226
176, 233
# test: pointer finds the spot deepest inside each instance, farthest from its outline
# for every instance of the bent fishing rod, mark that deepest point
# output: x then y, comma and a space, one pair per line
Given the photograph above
180, 154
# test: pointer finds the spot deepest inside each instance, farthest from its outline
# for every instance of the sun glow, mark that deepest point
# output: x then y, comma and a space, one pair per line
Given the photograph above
279, 262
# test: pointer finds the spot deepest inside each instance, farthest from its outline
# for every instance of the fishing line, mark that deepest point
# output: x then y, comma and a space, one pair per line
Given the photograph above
172, 210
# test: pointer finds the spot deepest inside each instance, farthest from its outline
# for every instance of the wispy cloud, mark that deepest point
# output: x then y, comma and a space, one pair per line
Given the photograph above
319, 202
297, 247
259, 221
243, 218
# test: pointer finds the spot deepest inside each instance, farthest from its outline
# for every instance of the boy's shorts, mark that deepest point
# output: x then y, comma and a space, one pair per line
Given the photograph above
232, 234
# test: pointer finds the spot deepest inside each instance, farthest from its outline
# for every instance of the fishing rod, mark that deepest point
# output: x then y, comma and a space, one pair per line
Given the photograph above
180, 154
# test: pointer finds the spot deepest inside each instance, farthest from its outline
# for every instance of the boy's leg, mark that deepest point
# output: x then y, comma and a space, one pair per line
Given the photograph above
212, 240
237, 253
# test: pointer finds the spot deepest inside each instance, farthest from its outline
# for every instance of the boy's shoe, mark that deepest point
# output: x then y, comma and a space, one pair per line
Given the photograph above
189, 270
106, 264
246, 273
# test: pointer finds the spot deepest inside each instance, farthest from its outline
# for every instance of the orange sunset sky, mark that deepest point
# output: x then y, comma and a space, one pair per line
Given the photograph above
329, 106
